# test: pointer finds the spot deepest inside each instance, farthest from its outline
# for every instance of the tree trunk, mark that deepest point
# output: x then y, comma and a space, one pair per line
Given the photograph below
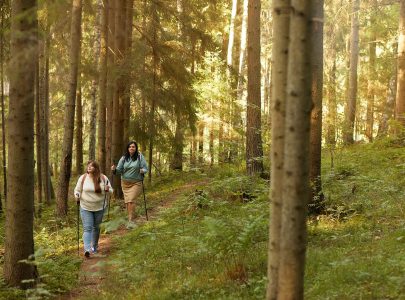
118, 100
281, 25
38, 91
370, 87
211, 145
201, 143
102, 85
350, 112
400, 97
229, 58
387, 108
316, 205
332, 108
143, 60
254, 148
128, 71
3, 125
178, 144
93, 120
242, 54
152, 129
79, 128
110, 83
193, 151
19, 241
66, 163
296, 190
45, 112
94, 87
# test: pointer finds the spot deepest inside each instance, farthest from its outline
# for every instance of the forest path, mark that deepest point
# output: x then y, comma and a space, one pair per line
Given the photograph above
92, 270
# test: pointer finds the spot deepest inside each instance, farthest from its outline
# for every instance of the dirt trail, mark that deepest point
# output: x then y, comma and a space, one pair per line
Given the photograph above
93, 269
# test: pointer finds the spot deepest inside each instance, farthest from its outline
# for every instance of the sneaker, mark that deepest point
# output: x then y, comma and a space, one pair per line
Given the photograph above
131, 225
87, 254
93, 250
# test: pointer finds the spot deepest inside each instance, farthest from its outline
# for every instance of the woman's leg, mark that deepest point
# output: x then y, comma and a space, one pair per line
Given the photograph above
126, 208
98, 218
130, 209
88, 223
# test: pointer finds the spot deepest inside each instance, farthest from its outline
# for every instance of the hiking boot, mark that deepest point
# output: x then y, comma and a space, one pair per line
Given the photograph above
87, 254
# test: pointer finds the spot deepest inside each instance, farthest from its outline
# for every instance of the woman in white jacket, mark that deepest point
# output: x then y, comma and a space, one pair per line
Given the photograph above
91, 193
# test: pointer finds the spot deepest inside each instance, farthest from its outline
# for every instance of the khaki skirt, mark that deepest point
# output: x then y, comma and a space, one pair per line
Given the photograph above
131, 190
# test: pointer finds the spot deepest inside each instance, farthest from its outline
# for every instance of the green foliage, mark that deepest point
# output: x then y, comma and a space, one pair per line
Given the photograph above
201, 247
211, 244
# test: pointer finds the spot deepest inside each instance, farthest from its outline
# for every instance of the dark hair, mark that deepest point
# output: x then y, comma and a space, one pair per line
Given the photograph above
127, 155
96, 175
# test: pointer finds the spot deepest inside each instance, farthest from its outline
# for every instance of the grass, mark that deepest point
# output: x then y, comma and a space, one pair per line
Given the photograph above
211, 243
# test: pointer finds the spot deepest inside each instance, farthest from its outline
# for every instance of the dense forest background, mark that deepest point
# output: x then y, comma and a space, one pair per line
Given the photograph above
238, 105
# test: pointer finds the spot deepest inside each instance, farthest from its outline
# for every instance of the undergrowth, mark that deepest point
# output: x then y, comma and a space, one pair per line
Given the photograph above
211, 241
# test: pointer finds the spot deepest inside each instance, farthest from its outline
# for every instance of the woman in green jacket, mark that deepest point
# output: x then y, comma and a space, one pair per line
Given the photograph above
132, 167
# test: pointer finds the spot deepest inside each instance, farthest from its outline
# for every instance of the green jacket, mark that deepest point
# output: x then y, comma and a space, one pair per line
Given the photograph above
130, 169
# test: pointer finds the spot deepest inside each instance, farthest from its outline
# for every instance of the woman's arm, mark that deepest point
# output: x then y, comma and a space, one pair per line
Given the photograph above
144, 165
108, 185
77, 191
120, 167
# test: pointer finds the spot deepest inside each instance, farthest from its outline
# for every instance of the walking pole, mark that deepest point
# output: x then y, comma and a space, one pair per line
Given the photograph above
144, 198
78, 252
109, 199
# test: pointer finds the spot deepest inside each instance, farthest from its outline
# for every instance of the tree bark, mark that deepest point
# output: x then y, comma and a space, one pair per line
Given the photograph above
387, 107
19, 241
102, 85
38, 140
3, 125
400, 97
316, 205
254, 148
45, 112
281, 25
143, 60
229, 58
155, 63
201, 143
332, 108
296, 190
350, 111
178, 144
110, 82
117, 146
66, 163
79, 128
370, 85
93, 92
128, 70
242, 54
